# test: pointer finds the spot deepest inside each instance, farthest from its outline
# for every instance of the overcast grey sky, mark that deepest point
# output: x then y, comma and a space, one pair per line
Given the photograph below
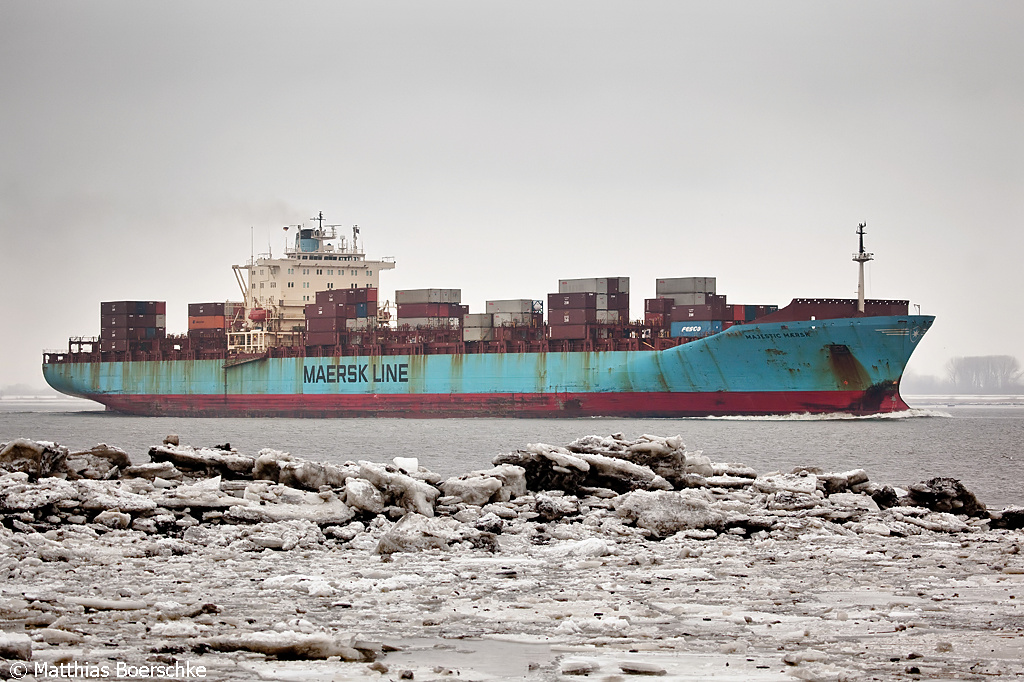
497, 147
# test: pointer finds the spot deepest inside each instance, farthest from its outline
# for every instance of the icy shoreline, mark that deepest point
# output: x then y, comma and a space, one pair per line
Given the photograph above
609, 557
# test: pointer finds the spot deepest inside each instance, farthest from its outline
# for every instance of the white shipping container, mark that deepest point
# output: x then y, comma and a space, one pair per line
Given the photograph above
478, 320
428, 296
685, 285
361, 323
597, 285
607, 316
516, 305
518, 319
478, 334
584, 285
431, 322
418, 296
687, 299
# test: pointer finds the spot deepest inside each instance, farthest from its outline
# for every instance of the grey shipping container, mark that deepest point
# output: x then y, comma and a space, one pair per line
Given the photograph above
430, 322
478, 320
597, 285
607, 316
686, 299
517, 305
428, 296
685, 285
361, 323
518, 319
478, 334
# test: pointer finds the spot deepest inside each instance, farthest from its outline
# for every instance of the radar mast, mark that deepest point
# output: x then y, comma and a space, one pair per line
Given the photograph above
861, 257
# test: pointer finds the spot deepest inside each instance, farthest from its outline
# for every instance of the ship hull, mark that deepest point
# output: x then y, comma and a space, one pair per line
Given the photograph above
848, 365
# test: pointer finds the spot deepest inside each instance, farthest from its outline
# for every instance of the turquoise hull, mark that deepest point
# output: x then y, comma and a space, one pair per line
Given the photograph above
850, 364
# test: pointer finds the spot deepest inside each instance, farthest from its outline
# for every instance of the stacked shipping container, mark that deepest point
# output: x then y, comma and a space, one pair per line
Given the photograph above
690, 307
339, 310
430, 308
516, 312
131, 325
581, 303
478, 327
209, 323
657, 313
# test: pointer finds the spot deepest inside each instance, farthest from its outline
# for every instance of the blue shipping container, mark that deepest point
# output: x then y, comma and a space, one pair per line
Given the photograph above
360, 310
693, 328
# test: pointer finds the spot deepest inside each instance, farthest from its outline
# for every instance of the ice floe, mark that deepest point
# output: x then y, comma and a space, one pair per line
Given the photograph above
607, 556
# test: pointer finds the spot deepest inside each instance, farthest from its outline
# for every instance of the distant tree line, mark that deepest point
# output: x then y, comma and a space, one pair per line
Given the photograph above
984, 374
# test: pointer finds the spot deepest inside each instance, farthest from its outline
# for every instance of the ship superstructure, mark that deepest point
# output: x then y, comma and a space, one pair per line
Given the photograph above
275, 291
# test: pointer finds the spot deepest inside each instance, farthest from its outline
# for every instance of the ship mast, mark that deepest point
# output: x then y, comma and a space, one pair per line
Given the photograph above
861, 257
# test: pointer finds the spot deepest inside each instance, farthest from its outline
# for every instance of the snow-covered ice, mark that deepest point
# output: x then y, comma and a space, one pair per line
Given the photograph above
609, 557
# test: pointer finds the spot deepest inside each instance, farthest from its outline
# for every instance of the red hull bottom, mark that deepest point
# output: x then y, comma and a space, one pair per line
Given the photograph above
631, 405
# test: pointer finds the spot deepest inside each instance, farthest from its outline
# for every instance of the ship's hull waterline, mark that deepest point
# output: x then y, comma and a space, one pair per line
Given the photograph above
850, 365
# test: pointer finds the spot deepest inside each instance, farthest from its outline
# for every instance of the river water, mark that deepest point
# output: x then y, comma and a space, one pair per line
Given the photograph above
977, 440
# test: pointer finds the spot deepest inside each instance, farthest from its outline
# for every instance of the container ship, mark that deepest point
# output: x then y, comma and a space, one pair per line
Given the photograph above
312, 337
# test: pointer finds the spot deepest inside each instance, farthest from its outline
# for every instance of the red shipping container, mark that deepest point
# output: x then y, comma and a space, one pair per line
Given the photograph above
331, 310
371, 295
422, 310
682, 313
333, 296
661, 306
657, 320
147, 320
572, 316
202, 309
618, 302
111, 321
131, 333
111, 345
126, 307
568, 331
321, 338
325, 324
215, 334
123, 333
575, 301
